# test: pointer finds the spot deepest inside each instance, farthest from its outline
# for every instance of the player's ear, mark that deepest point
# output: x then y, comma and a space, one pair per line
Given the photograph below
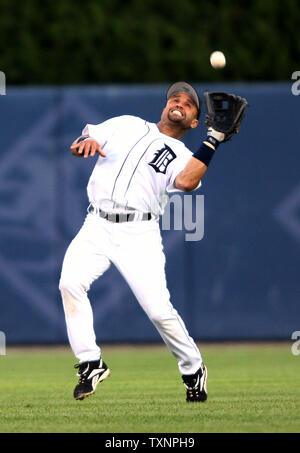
194, 123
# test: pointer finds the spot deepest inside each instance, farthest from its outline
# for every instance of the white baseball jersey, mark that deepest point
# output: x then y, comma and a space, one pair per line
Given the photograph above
140, 168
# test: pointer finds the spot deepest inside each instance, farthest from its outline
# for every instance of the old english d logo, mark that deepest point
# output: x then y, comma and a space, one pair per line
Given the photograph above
162, 159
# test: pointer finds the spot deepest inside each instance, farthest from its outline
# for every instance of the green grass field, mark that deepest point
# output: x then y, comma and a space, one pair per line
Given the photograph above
251, 389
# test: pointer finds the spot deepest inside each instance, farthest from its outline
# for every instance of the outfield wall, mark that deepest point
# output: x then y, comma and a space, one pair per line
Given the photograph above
241, 281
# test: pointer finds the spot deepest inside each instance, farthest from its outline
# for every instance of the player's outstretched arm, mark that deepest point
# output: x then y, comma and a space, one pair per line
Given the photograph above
224, 114
196, 167
190, 177
85, 146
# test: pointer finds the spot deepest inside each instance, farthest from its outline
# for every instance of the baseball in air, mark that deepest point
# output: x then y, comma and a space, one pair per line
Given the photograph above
217, 59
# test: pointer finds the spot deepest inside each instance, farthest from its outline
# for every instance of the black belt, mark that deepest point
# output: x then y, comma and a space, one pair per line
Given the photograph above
121, 217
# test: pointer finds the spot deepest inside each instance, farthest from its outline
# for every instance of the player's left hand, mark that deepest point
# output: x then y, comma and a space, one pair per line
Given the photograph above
224, 113
86, 148
217, 135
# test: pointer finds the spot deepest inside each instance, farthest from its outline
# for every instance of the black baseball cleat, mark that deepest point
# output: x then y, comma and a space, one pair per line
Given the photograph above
195, 385
90, 374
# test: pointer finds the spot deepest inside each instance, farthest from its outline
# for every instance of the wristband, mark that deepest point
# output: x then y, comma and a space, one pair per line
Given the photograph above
207, 150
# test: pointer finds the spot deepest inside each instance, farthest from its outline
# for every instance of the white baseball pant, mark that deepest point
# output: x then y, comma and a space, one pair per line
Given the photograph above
135, 248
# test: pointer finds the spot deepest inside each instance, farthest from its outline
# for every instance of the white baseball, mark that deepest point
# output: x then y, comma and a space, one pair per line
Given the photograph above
217, 59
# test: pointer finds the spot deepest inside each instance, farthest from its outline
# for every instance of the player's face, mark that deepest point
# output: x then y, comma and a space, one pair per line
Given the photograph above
181, 110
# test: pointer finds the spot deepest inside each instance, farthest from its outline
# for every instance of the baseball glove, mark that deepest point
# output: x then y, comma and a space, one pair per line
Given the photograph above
224, 112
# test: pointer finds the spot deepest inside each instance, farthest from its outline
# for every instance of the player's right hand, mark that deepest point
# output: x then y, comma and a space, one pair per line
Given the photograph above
86, 148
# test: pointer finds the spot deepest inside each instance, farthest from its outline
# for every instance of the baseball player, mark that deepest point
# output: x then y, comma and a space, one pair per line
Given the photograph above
138, 164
